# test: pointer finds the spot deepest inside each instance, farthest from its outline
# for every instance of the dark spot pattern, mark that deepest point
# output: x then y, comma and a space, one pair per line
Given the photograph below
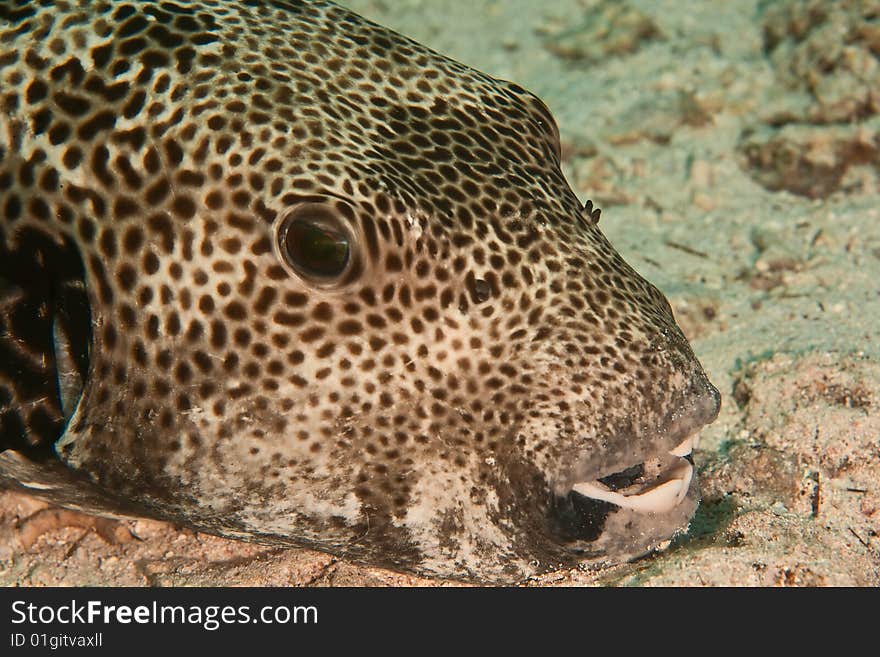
483, 346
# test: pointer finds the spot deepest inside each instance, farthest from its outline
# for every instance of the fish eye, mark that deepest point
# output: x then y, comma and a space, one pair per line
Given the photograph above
315, 241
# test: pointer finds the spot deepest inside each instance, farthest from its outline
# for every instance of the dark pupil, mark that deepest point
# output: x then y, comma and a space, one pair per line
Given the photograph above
316, 250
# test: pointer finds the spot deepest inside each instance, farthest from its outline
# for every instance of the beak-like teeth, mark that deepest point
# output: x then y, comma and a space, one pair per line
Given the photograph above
657, 499
686, 446
664, 495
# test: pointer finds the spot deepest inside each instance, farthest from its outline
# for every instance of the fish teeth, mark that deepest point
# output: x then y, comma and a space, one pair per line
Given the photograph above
660, 498
686, 446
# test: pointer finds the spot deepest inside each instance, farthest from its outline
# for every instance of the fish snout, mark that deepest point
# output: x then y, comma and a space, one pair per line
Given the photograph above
707, 402
621, 504
712, 403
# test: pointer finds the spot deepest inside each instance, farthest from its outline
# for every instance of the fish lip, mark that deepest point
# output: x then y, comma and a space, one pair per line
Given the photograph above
675, 442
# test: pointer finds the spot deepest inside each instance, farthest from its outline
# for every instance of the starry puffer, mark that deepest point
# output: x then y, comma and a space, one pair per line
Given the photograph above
278, 273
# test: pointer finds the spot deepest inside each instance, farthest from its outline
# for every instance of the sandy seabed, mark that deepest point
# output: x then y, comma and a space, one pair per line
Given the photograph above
735, 153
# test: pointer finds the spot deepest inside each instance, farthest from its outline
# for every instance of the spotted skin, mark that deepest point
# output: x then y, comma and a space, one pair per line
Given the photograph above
430, 409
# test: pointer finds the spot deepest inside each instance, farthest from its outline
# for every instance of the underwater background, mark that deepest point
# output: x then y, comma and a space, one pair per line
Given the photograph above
734, 148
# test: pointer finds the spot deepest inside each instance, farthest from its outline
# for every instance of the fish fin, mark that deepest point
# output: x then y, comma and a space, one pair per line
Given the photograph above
45, 336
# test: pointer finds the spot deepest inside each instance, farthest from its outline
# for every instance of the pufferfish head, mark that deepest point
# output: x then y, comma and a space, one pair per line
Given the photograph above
342, 295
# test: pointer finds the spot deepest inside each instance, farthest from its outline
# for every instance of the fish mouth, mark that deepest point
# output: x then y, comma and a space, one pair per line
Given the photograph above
627, 511
656, 485
643, 480
632, 497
